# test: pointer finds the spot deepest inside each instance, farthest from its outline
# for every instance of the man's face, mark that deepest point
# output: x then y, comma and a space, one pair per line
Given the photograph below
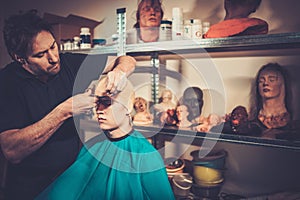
150, 15
43, 60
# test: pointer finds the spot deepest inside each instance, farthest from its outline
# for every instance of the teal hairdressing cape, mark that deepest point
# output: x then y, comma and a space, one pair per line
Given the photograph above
125, 168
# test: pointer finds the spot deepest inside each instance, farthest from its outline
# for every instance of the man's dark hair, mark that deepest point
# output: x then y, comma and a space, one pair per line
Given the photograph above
19, 31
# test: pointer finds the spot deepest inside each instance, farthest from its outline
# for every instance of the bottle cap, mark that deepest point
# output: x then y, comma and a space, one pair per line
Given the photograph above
177, 11
197, 21
206, 24
84, 30
188, 21
166, 22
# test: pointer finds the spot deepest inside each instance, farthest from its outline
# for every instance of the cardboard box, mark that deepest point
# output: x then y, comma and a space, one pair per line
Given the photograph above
68, 27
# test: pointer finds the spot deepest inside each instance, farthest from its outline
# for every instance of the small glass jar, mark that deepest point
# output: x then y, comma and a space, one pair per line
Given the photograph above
85, 37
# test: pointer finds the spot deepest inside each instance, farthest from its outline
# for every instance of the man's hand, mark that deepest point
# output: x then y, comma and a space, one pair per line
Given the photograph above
116, 81
79, 104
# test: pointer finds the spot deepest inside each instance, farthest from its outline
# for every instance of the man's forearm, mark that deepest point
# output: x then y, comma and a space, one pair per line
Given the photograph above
125, 64
17, 144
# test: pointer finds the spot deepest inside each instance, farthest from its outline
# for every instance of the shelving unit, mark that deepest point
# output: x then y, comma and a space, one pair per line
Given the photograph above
231, 44
222, 47
252, 162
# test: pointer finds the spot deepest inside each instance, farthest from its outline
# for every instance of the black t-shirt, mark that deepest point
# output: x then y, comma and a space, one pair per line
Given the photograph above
25, 100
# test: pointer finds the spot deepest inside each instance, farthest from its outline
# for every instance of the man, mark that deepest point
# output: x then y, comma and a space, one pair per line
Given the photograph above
37, 131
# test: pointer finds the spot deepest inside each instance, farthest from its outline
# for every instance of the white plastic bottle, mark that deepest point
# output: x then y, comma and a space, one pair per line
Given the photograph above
197, 29
85, 37
187, 29
177, 24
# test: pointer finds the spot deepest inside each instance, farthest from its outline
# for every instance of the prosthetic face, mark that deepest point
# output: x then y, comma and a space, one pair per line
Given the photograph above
140, 104
239, 115
271, 85
182, 112
193, 98
150, 14
166, 96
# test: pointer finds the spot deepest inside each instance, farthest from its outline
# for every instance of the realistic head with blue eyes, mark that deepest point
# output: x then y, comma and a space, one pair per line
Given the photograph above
30, 41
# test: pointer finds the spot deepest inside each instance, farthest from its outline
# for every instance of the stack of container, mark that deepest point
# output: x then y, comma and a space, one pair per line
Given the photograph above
208, 173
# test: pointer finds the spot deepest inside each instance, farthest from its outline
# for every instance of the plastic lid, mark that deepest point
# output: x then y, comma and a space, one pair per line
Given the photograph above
188, 21
84, 30
99, 41
177, 11
206, 23
166, 22
121, 10
196, 21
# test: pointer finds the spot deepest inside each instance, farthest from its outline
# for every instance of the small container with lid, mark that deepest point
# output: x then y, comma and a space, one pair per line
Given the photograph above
85, 37
177, 24
66, 44
205, 27
165, 32
187, 29
99, 42
76, 43
196, 29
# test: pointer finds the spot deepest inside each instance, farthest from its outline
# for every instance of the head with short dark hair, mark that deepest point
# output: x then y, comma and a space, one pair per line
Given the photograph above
20, 30
193, 98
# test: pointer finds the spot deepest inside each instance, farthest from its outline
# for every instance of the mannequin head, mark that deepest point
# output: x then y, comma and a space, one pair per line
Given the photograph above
238, 116
148, 17
271, 84
240, 8
193, 98
166, 96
